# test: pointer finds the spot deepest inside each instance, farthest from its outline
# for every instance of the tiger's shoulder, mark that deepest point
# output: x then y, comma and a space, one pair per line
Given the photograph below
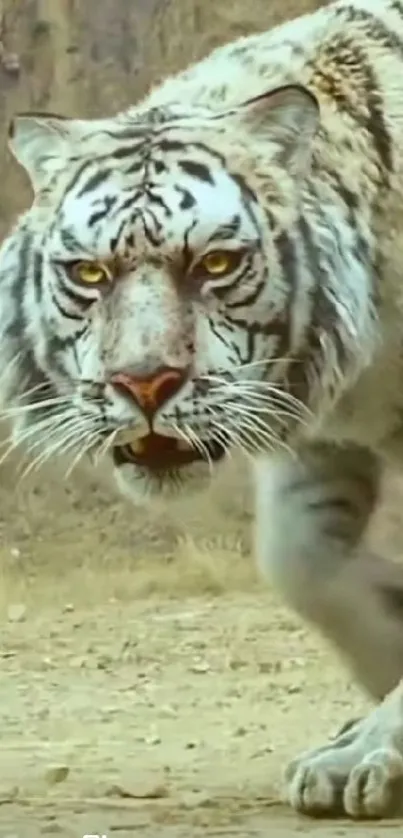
339, 40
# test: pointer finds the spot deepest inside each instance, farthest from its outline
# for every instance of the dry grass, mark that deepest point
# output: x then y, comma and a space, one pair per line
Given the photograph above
60, 540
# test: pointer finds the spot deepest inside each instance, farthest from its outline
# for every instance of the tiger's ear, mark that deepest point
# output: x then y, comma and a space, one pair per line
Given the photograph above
40, 143
288, 117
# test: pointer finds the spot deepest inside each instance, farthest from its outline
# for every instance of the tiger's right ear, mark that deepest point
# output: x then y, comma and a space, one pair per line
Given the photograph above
40, 143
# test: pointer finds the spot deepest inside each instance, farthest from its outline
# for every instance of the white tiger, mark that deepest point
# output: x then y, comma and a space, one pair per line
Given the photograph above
221, 267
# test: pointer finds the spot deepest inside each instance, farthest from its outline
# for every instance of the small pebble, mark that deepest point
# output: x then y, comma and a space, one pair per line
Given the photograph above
8, 795
200, 668
146, 792
16, 613
153, 740
57, 774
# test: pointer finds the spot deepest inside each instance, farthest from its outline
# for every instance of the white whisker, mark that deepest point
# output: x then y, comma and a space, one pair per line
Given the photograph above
19, 410
89, 441
198, 443
67, 438
105, 446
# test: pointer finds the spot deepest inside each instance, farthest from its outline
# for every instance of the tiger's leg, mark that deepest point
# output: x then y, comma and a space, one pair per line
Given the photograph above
311, 515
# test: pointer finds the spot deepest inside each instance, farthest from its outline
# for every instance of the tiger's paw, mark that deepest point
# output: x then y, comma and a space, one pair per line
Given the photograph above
359, 773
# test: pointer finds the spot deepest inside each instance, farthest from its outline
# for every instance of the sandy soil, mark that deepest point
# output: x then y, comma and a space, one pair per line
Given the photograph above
148, 679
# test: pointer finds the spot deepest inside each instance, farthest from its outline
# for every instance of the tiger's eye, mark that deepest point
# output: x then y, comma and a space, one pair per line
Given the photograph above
90, 273
219, 262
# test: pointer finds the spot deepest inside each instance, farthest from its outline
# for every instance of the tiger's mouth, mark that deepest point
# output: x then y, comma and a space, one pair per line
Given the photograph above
161, 453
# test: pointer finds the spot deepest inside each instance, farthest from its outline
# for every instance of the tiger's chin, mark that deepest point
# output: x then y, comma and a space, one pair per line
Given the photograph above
161, 470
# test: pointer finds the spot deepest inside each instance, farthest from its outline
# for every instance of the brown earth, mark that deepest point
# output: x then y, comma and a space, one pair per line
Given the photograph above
149, 681
150, 684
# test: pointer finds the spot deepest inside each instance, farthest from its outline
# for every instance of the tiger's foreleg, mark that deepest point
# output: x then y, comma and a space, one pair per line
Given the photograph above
311, 514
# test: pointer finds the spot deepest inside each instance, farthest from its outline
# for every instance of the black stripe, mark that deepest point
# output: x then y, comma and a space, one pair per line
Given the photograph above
27, 373
218, 333
23, 272
68, 239
56, 344
99, 177
196, 170
86, 164
63, 311
107, 205
153, 236
37, 265
234, 284
397, 7
250, 298
134, 133
97, 216
289, 259
114, 241
140, 150
187, 201
374, 120
226, 231
152, 198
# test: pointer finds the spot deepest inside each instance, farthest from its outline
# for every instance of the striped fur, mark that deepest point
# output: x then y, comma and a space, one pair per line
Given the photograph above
214, 157
286, 147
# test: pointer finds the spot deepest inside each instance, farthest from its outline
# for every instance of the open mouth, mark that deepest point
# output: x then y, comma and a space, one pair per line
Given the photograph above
159, 453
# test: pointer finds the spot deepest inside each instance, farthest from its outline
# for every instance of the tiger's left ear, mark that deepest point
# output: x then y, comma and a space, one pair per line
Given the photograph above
289, 117
40, 143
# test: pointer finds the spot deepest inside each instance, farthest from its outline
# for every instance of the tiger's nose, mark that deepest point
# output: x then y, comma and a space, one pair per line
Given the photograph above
150, 392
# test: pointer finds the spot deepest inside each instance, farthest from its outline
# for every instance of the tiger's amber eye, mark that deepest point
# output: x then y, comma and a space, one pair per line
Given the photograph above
90, 273
219, 262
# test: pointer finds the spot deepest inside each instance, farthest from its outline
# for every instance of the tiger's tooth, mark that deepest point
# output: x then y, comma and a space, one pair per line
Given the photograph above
182, 445
137, 446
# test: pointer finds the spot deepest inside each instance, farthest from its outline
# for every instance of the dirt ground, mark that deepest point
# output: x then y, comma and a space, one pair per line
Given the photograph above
150, 683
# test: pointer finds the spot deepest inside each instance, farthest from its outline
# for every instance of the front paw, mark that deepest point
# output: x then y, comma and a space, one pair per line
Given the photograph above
314, 783
374, 788
331, 781
359, 773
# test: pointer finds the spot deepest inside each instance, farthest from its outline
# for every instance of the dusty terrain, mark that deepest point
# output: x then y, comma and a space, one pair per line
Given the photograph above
149, 679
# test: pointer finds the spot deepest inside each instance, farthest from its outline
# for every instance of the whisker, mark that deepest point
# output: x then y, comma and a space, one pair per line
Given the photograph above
55, 425
63, 444
198, 443
221, 435
280, 415
248, 434
88, 443
19, 410
105, 446
274, 402
13, 444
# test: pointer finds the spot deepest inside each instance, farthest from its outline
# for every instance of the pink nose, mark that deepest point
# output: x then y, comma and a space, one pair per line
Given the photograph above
150, 392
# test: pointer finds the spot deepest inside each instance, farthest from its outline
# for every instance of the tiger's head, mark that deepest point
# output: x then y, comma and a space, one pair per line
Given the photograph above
153, 307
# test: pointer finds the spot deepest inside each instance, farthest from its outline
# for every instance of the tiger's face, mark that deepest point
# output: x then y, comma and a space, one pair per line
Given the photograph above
158, 316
